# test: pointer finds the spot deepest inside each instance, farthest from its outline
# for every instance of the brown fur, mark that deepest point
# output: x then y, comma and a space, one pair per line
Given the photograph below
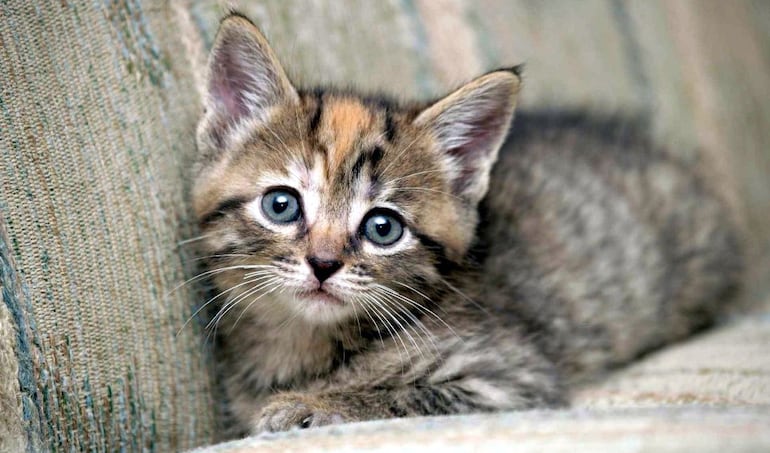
578, 251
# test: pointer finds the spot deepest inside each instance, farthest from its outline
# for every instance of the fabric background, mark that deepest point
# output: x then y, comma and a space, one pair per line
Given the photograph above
659, 430
98, 103
97, 113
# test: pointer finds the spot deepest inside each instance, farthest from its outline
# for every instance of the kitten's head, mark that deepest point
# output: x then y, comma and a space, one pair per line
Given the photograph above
331, 202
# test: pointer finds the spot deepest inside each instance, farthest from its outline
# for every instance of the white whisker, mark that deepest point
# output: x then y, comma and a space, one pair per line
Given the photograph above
409, 146
216, 271
199, 238
230, 304
374, 324
463, 295
388, 326
276, 283
416, 323
414, 174
220, 294
425, 310
425, 189
222, 255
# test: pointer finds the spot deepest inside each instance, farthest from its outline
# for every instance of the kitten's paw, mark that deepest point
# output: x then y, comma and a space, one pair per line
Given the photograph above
296, 411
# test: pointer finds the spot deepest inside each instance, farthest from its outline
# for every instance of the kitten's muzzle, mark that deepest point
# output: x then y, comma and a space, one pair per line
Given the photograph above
323, 269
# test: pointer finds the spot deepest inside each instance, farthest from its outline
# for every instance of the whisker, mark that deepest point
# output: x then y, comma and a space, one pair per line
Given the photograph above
287, 322
401, 326
227, 306
355, 315
235, 300
272, 288
277, 137
416, 322
199, 238
426, 189
419, 307
215, 271
221, 255
222, 293
374, 324
232, 303
405, 328
299, 129
260, 272
400, 154
463, 295
418, 292
415, 174
391, 329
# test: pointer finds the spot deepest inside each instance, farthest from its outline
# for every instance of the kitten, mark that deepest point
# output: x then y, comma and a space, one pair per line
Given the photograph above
377, 259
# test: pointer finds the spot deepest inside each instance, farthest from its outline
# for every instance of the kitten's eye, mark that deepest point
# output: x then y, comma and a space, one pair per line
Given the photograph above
281, 206
382, 227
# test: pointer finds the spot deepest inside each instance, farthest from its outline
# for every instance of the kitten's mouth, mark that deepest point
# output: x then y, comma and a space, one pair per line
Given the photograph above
319, 295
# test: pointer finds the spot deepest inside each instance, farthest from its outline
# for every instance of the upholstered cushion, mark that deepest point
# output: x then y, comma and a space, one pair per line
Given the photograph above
662, 429
98, 106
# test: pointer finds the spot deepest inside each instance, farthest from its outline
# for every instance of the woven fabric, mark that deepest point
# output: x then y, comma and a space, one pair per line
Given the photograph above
97, 112
11, 429
727, 367
659, 430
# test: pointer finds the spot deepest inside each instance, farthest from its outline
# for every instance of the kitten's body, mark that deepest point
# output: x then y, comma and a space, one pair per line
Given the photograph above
592, 248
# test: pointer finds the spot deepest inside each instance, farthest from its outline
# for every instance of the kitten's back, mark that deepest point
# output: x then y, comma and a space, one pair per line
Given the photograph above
609, 246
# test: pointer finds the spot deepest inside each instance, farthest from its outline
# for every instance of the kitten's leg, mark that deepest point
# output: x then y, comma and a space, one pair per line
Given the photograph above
476, 377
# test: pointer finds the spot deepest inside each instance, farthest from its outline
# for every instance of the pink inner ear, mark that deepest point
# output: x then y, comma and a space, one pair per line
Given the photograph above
480, 136
229, 85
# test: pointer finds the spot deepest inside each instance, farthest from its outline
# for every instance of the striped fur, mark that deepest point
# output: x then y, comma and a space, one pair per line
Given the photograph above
577, 251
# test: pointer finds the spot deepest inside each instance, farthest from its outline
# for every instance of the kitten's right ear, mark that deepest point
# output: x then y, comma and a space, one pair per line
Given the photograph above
245, 81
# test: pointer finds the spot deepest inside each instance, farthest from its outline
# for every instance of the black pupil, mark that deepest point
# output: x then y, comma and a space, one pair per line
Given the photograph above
280, 203
382, 225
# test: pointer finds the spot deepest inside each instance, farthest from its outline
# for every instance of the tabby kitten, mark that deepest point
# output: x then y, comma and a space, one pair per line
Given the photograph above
378, 259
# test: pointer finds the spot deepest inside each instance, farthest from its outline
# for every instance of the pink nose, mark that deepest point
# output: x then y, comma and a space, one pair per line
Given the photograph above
323, 269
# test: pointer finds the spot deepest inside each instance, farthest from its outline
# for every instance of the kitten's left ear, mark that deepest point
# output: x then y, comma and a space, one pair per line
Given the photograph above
469, 126
245, 81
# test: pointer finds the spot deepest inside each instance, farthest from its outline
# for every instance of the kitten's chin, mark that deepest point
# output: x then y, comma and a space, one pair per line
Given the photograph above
321, 307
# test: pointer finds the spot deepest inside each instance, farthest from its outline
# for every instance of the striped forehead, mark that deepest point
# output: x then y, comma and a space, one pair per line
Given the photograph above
332, 196
344, 122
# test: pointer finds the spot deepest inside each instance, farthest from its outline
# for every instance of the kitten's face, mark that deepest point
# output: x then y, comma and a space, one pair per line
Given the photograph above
329, 206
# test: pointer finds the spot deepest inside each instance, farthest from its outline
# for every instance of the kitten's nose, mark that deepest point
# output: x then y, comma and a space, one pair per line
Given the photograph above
323, 269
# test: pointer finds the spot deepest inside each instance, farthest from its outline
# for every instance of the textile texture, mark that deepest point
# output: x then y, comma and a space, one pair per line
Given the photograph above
97, 113
98, 104
701, 429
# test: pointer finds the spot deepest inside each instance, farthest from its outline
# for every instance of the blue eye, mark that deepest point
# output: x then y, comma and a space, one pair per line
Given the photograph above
281, 206
383, 227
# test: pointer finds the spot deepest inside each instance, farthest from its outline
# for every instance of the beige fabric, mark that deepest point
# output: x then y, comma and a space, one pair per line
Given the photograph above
11, 432
728, 367
663, 430
97, 118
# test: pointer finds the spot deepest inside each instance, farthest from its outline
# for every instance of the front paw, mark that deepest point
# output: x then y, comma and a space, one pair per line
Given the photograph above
297, 411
